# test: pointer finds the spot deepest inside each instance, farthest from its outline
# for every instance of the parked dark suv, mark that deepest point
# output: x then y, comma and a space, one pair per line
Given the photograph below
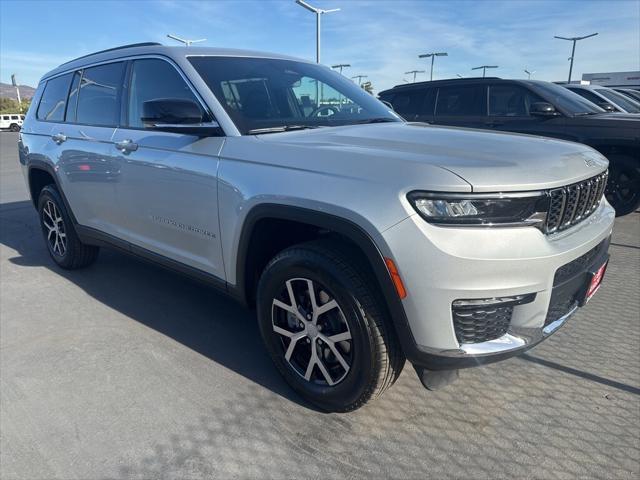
533, 107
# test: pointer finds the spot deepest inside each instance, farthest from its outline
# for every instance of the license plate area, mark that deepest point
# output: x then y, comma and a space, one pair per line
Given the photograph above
594, 281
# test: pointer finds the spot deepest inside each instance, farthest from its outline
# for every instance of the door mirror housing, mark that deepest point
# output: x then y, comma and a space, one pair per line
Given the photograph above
543, 109
178, 115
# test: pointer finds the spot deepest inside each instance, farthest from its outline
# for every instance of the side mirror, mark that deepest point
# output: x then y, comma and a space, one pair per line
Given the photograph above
177, 115
543, 109
606, 106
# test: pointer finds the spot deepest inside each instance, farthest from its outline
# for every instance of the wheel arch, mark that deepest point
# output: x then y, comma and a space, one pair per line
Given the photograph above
41, 174
322, 223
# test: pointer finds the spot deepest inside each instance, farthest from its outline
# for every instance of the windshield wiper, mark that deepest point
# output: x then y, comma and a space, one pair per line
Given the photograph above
282, 128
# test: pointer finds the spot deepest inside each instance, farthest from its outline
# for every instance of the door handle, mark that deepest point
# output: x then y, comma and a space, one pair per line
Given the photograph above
59, 138
127, 146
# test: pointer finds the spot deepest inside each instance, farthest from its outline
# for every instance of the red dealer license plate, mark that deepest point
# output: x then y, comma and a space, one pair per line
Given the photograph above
596, 281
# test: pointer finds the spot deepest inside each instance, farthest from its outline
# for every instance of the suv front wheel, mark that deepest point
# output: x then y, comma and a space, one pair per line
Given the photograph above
324, 328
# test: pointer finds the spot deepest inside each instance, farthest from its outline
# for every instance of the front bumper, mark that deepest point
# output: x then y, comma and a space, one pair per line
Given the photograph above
440, 265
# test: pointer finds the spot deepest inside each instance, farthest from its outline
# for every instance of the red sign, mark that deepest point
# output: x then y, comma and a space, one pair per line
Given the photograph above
596, 281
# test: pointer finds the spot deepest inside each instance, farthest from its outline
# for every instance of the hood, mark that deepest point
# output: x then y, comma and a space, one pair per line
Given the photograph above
488, 161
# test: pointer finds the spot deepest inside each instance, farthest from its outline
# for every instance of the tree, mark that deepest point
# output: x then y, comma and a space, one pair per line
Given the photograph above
9, 105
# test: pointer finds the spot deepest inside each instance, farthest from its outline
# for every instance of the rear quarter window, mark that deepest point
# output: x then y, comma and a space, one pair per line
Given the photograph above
54, 99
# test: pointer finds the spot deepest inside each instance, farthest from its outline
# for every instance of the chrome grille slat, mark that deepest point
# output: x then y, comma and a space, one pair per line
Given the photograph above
571, 204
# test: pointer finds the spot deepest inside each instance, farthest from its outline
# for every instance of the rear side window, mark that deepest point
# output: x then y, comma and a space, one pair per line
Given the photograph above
463, 100
511, 101
15, 117
154, 79
99, 97
54, 99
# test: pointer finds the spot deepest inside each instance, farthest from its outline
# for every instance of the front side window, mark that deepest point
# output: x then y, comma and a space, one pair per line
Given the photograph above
463, 100
264, 93
592, 97
99, 97
54, 99
510, 101
153, 79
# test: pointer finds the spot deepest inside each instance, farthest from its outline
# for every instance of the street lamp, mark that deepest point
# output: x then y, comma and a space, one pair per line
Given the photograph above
186, 42
433, 56
318, 12
484, 68
341, 66
573, 48
529, 73
359, 77
414, 74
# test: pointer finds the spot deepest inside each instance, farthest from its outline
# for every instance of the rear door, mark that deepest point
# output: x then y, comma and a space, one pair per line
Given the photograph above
461, 105
87, 169
168, 184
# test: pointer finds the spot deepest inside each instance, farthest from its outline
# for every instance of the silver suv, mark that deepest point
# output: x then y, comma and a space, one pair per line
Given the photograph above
361, 240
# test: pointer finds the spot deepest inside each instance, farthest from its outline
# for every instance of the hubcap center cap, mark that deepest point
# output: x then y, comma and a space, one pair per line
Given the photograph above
312, 330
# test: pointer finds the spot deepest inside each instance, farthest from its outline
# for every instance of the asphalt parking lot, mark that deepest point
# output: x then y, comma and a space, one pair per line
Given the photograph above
124, 370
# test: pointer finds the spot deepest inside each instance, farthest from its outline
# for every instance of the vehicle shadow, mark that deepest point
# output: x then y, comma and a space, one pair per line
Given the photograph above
177, 306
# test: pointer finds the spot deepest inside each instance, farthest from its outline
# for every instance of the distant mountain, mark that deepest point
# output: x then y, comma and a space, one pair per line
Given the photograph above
9, 91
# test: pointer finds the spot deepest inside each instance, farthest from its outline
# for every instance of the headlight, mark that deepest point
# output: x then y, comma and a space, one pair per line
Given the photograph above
517, 209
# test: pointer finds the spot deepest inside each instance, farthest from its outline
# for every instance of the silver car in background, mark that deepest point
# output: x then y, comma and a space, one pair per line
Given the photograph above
361, 240
606, 98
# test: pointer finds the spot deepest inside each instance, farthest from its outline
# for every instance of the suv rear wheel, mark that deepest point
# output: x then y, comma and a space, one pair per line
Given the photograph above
63, 243
324, 328
623, 188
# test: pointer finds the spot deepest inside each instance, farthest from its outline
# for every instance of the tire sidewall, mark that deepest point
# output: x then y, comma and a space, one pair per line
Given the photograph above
287, 266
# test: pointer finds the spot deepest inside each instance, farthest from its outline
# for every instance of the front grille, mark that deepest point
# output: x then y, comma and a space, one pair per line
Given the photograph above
571, 204
482, 324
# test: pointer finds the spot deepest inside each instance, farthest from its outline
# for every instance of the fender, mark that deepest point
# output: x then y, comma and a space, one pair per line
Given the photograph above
47, 167
350, 230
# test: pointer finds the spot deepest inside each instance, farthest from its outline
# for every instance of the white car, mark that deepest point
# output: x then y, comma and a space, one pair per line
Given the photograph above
11, 121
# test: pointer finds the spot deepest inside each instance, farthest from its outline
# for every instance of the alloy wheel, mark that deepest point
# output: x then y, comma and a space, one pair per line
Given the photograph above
313, 332
54, 224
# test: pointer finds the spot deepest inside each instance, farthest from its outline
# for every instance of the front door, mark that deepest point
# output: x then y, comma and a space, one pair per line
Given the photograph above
168, 186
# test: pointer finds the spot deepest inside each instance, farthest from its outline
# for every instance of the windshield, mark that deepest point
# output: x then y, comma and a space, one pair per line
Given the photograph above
620, 100
571, 103
262, 93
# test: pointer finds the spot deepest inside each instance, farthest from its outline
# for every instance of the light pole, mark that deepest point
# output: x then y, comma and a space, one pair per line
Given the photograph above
319, 12
359, 77
14, 82
340, 66
529, 73
433, 56
573, 49
484, 68
187, 43
414, 74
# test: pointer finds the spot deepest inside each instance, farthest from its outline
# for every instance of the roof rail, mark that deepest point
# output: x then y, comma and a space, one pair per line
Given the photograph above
131, 45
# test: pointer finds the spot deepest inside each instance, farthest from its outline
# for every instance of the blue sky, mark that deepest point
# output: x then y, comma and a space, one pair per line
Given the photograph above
379, 38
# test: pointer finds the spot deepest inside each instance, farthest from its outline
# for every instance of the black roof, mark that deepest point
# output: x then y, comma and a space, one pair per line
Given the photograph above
409, 86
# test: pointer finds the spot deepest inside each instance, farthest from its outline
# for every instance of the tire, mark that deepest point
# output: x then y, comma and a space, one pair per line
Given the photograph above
350, 322
14, 127
61, 239
623, 187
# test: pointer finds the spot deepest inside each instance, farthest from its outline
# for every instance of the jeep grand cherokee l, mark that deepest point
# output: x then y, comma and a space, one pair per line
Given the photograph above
361, 240
536, 108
